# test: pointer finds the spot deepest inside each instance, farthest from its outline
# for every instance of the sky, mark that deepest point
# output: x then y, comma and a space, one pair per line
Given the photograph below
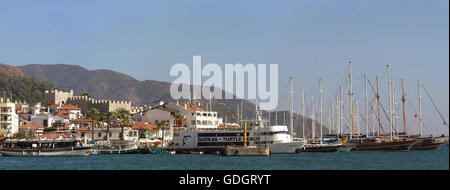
309, 40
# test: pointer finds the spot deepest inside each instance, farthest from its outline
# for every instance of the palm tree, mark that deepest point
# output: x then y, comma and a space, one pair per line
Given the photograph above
94, 115
179, 119
124, 119
163, 125
108, 117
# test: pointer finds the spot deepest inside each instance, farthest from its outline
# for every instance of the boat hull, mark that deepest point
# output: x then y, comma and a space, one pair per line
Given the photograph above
119, 151
286, 148
38, 153
428, 144
322, 147
386, 146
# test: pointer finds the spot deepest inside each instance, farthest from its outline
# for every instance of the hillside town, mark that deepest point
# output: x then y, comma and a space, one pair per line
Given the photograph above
61, 115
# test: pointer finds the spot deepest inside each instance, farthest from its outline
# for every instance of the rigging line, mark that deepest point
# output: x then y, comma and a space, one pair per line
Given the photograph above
445, 123
384, 111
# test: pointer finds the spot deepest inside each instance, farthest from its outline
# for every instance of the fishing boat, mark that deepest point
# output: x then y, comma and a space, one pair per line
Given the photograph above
116, 147
40, 147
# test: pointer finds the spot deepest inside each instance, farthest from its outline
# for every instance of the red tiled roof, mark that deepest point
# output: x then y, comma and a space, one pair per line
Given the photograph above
31, 126
191, 107
84, 128
66, 112
62, 115
69, 107
53, 106
143, 126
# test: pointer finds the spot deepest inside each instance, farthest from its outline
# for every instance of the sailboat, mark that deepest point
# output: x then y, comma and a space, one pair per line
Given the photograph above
315, 145
386, 142
426, 143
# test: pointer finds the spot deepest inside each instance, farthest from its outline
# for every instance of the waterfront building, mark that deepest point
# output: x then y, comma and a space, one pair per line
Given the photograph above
197, 117
32, 130
69, 110
100, 133
146, 130
9, 120
43, 119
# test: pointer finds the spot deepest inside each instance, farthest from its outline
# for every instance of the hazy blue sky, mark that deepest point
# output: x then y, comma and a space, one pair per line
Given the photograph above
308, 39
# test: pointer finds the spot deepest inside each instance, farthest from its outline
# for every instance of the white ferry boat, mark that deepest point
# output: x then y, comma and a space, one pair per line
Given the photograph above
276, 137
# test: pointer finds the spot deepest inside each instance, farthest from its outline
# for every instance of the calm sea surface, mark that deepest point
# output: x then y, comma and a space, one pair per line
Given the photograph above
413, 160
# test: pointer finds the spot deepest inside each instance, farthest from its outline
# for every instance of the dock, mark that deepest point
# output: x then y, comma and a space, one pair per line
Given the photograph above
246, 151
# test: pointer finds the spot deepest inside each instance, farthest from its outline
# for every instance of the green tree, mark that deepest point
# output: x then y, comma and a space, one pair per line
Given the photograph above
108, 117
50, 129
86, 94
124, 119
163, 125
21, 135
94, 115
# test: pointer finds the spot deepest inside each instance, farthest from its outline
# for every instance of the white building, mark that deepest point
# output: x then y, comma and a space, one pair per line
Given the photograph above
9, 120
43, 119
196, 117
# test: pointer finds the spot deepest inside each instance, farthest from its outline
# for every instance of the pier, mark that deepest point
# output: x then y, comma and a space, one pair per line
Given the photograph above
246, 151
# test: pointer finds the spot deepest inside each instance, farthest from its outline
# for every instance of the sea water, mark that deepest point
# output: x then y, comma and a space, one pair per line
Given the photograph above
379, 160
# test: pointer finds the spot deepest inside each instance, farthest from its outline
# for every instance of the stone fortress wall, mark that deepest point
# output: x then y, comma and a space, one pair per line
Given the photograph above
103, 106
57, 97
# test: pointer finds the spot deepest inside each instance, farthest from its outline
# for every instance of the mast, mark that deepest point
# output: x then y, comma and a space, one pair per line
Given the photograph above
374, 117
321, 92
420, 111
333, 113
350, 93
378, 109
303, 112
366, 113
388, 82
291, 121
392, 110
329, 120
341, 109
313, 125
356, 118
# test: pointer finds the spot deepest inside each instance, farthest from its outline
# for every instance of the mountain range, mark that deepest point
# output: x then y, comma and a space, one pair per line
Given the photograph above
107, 84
